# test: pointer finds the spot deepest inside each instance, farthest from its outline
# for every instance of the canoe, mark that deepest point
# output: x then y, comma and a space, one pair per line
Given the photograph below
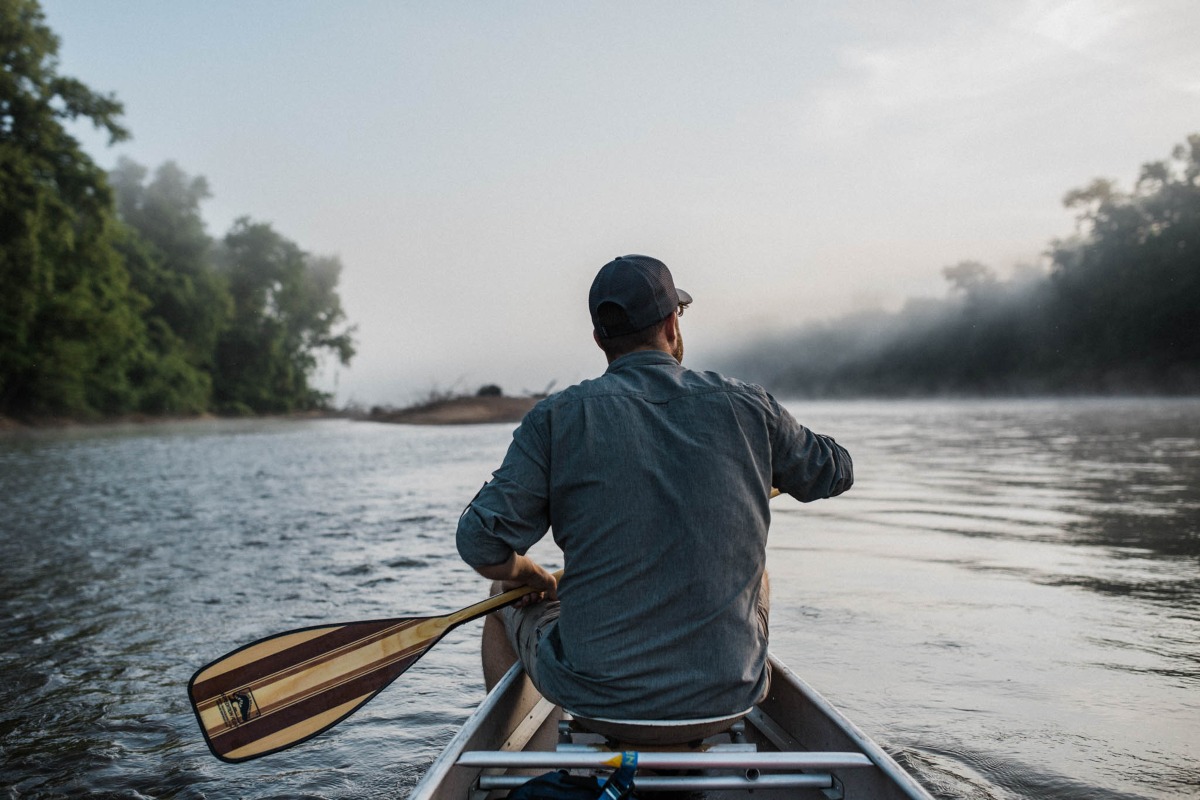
794, 745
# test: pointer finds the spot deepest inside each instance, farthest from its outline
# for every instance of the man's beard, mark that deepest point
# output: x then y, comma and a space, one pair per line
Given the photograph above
678, 351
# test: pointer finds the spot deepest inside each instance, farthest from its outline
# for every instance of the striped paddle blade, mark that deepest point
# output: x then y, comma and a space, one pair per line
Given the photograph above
286, 689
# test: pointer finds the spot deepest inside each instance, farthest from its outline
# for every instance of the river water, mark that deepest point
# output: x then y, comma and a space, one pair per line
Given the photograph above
1008, 600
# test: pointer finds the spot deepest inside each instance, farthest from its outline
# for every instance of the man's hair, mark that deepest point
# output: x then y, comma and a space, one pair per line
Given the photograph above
611, 314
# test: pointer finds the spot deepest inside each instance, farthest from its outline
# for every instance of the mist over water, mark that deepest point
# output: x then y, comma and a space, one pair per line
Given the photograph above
1008, 599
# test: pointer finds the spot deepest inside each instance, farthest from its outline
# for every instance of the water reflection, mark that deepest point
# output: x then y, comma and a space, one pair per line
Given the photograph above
1055, 545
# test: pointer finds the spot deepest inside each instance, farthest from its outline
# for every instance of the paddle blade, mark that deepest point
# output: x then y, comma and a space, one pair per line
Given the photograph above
285, 689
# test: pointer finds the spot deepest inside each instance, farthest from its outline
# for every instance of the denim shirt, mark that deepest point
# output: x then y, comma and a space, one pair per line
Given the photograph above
655, 480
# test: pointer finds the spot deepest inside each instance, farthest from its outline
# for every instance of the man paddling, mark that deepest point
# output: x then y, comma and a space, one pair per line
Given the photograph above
655, 480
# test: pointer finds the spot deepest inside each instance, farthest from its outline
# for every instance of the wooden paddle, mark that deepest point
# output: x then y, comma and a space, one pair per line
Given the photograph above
287, 688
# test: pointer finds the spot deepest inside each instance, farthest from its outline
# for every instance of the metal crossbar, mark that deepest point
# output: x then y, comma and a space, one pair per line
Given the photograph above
573, 747
666, 760
654, 783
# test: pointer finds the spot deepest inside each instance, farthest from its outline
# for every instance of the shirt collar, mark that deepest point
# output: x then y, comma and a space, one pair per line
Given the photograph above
643, 358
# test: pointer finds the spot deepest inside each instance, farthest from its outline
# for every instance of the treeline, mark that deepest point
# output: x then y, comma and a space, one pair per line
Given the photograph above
1116, 309
113, 297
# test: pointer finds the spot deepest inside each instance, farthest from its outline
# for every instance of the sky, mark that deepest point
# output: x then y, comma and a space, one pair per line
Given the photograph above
473, 164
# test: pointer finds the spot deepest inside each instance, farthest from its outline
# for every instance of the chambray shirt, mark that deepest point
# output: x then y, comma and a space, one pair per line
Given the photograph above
655, 480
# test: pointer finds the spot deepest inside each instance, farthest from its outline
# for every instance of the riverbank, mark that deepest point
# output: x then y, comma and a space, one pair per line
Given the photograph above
465, 410
10, 425
458, 410
33, 425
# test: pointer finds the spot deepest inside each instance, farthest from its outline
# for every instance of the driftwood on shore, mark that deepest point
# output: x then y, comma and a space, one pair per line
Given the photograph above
464, 410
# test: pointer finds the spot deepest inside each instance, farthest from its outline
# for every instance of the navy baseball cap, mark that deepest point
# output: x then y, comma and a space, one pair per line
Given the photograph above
640, 286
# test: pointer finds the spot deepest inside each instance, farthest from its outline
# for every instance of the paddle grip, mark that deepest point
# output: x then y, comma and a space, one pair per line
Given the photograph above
492, 603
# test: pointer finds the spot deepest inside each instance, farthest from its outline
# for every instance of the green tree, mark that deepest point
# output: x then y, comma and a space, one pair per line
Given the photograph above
70, 330
167, 379
970, 278
189, 294
286, 312
1128, 285
170, 261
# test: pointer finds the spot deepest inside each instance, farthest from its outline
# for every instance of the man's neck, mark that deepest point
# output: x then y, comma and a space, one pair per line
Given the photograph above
643, 349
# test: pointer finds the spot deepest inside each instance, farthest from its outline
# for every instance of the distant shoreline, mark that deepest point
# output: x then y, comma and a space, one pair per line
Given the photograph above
466, 410
460, 410
483, 410
33, 425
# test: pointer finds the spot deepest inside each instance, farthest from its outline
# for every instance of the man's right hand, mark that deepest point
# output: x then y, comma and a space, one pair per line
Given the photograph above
521, 571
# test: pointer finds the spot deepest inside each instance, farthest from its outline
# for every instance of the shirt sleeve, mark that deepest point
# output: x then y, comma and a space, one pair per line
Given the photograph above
807, 465
511, 512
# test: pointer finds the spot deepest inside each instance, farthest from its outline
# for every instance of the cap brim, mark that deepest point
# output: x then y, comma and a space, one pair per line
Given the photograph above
684, 297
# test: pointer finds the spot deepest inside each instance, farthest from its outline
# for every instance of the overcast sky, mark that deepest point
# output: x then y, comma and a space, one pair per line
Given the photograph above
474, 163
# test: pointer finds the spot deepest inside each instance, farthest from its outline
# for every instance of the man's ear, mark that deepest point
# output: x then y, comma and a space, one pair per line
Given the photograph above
671, 328
596, 339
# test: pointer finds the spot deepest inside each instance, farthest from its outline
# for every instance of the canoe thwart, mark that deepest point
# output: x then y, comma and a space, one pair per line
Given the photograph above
712, 759
573, 747
690, 783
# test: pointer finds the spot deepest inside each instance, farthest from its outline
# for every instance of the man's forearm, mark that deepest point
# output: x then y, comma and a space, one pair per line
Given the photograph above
506, 571
520, 570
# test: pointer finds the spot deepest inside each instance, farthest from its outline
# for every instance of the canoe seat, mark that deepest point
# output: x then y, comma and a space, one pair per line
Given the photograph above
637, 734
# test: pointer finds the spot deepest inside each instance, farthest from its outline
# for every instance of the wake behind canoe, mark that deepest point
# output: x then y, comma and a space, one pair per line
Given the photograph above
794, 744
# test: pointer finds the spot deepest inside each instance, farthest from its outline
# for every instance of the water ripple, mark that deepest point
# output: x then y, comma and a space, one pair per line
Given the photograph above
1007, 599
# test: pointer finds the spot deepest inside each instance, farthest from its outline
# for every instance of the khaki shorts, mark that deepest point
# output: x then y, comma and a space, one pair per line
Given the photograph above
525, 628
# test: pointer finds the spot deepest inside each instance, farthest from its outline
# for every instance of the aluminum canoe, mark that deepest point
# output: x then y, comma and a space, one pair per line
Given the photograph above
793, 745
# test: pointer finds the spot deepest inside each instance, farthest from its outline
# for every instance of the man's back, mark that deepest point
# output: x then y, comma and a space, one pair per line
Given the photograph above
656, 481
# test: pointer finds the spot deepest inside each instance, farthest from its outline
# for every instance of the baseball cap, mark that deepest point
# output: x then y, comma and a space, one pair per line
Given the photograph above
640, 286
